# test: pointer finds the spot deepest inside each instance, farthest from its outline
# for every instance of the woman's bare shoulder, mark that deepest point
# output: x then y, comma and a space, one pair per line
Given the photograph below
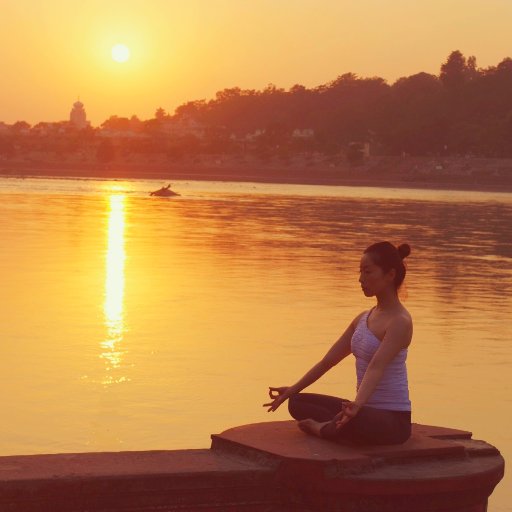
403, 320
357, 318
405, 316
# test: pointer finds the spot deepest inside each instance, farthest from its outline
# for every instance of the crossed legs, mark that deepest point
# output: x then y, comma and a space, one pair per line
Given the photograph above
315, 413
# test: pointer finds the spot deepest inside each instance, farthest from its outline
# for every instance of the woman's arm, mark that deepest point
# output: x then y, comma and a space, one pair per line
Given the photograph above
336, 353
283, 393
397, 337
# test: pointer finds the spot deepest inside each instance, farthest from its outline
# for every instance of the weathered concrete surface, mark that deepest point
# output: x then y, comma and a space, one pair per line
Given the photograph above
270, 467
184, 480
437, 469
284, 440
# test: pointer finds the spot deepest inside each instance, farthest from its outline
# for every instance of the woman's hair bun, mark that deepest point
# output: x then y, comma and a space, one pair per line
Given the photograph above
404, 250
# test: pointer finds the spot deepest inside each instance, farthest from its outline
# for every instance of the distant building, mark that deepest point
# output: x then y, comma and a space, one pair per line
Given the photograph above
357, 152
303, 133
179, 126
110, 133
255, 134
77, 116
243, 136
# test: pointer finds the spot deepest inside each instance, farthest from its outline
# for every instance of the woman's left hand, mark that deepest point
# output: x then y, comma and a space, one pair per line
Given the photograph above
350, 409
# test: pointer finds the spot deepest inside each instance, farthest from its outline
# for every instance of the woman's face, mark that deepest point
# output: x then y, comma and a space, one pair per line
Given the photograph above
372, 278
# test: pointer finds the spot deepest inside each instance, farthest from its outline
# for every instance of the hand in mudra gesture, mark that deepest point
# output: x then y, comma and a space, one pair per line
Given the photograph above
348, 411
279, 398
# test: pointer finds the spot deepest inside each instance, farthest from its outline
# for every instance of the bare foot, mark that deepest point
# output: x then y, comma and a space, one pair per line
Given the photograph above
311, 426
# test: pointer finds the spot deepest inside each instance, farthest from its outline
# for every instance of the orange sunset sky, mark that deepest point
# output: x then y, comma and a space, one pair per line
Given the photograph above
53, 51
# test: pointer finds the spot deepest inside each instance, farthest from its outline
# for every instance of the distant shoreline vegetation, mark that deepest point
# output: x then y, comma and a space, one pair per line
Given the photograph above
466, 112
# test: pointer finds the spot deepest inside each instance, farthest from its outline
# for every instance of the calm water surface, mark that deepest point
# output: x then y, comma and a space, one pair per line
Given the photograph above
134, 323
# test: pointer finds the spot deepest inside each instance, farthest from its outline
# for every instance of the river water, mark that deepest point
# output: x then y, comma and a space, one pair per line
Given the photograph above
132, 322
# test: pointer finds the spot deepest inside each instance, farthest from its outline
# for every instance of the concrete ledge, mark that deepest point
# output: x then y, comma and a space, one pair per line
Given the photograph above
271, 467
437, 466
134, 481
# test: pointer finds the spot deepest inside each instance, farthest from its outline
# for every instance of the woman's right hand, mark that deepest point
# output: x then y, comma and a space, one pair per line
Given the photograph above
283, 393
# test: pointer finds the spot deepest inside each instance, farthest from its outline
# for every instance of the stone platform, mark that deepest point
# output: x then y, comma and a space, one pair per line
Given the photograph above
437, 469
263, 467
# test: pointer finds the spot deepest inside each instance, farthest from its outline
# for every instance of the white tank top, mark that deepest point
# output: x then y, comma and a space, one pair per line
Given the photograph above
392, 392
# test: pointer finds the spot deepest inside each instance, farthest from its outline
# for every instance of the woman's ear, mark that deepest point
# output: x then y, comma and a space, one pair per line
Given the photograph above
391, 275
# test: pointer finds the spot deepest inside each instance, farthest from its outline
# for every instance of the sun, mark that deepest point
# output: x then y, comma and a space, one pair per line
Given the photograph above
120, 53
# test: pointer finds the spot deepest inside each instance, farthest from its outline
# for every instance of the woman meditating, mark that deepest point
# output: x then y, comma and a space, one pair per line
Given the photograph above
379, 339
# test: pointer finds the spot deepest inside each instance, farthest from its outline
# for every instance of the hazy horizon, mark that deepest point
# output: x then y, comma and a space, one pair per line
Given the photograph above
59, 51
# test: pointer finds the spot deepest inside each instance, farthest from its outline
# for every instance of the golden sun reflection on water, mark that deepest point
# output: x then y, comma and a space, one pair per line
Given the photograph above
114, 289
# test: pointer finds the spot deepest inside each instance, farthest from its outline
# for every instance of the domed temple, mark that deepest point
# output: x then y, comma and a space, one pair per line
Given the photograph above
77, 116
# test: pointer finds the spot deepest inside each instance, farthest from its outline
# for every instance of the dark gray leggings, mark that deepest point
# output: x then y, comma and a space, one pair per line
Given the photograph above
369, 426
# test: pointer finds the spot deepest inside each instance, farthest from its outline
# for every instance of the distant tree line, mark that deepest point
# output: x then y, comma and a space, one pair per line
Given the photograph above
465, 110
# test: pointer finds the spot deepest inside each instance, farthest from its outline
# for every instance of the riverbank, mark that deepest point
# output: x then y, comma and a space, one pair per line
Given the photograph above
450, 173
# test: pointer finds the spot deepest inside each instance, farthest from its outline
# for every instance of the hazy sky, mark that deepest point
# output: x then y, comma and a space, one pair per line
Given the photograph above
53, 51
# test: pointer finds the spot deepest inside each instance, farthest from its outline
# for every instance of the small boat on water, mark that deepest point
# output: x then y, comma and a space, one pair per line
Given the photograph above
164, 192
